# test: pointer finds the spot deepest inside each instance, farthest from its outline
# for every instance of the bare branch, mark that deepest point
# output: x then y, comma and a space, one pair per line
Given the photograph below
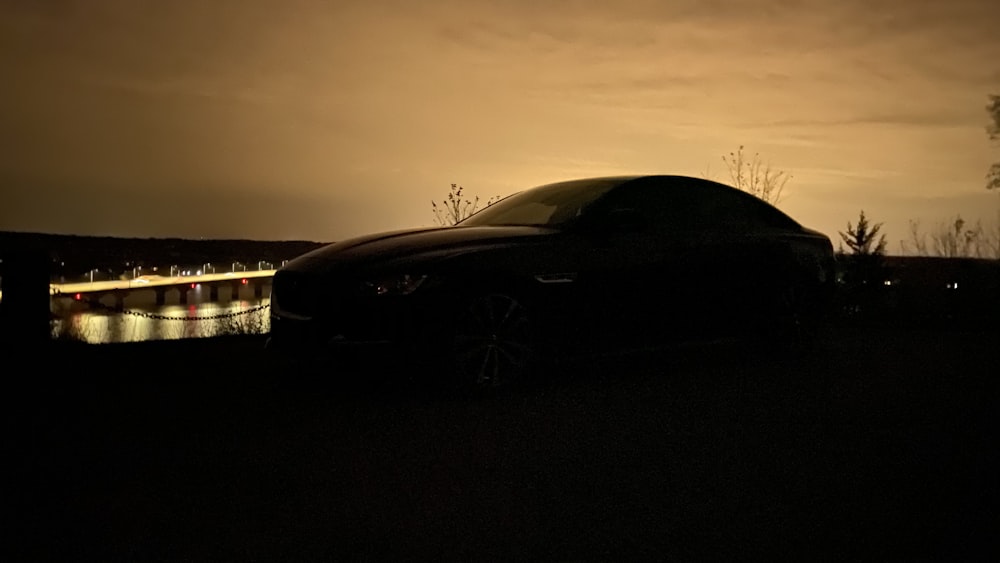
455, 209
993, 130
993, 109
755, 177
917, 245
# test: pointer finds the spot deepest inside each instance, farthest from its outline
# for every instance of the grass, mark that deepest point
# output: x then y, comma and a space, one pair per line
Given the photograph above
878, 444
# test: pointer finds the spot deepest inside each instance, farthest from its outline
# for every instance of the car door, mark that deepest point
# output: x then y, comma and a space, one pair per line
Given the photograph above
746, 258
692, 261
642, 285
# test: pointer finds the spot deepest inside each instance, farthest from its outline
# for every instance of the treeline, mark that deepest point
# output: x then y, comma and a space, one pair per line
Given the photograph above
953, 278
954, 239
73, 256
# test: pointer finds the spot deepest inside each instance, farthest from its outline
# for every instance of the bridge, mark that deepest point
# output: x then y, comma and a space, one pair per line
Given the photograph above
119, 289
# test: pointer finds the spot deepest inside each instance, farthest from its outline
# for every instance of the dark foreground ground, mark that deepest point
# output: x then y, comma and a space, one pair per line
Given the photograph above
876, 445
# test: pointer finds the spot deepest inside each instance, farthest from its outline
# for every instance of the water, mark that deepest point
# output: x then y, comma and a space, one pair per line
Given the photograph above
142, 319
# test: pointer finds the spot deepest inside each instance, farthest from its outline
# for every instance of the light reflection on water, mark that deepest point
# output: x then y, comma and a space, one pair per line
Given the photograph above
77, 320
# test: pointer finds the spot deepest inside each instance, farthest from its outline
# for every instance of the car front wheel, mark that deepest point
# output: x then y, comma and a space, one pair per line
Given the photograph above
492, 343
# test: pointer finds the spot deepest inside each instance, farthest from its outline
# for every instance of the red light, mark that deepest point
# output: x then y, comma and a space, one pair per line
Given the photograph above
244, 281
192, 286
77, 296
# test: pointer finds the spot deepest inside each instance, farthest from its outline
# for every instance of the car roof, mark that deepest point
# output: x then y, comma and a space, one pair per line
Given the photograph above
621, 180
669, 181
665, 178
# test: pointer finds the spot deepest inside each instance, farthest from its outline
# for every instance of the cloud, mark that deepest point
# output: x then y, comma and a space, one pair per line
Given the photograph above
194, 211
318, 99
919, 120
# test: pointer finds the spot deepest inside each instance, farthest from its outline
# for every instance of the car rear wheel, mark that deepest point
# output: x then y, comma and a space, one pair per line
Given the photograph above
799, 317
493, 344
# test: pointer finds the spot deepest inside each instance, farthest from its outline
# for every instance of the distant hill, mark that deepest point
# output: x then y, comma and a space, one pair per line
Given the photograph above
73, 255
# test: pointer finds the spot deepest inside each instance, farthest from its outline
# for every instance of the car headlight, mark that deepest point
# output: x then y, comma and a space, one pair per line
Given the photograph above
403, 284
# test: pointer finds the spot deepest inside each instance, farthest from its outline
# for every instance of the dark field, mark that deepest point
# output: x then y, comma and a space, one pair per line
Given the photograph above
874, 445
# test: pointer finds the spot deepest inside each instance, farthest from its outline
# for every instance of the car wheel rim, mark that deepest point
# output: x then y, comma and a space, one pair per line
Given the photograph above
790, 305
492, 341
796, 319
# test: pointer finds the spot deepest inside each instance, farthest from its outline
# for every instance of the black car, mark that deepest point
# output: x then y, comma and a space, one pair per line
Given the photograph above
600, 264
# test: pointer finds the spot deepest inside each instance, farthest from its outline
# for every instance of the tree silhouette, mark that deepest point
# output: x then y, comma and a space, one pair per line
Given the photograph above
917, 244
955, 239
454, 208
993, 130
861, 240
755, 177
867, 247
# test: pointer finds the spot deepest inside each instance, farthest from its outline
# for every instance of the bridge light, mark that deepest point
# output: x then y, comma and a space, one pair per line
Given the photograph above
193, 285
77, 296
244, 281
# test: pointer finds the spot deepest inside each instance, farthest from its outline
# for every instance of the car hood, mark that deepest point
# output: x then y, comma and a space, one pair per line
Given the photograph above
419, 244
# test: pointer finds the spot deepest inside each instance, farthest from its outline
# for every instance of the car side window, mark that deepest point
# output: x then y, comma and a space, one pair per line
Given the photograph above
733, 212
680, 207
746, 212
667, 208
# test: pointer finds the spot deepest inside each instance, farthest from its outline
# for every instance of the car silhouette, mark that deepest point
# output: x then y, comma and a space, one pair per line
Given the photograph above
600, 264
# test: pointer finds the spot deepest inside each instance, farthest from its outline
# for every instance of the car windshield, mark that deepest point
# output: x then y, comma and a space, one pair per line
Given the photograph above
551, 205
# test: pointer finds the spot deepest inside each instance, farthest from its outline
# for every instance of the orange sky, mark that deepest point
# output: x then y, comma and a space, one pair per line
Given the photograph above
303, 119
